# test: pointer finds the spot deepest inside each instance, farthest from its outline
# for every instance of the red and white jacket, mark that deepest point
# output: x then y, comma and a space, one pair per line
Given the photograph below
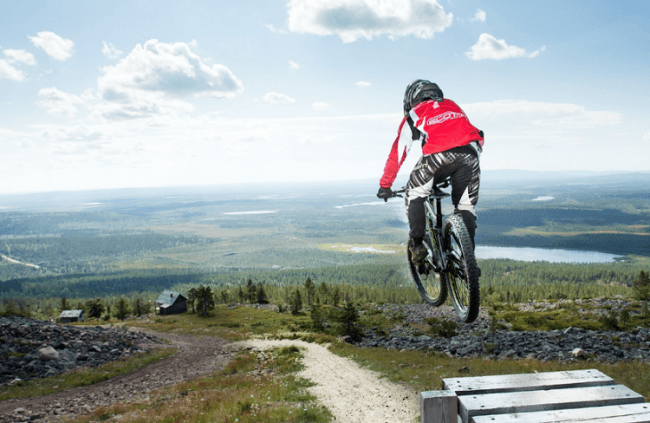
444, 126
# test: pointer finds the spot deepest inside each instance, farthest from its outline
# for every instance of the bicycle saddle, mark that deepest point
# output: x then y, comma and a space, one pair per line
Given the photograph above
437, 192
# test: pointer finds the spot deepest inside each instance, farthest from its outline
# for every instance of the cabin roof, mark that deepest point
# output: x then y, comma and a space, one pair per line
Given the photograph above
168, 298
71, 313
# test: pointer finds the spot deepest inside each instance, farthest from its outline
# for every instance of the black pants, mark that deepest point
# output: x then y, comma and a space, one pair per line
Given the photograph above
462, 164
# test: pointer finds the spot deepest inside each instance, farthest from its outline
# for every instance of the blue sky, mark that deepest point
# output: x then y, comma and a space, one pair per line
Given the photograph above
157, 93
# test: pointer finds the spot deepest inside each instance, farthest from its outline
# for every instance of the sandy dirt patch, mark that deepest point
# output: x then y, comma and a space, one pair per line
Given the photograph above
351, 393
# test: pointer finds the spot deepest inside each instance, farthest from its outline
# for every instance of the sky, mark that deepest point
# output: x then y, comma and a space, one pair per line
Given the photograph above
98, 95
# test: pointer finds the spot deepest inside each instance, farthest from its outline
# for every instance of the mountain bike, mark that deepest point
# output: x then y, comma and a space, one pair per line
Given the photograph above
450, 267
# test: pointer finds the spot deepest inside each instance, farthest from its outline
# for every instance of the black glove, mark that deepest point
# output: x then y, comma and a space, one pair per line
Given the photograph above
480, 132
385, 193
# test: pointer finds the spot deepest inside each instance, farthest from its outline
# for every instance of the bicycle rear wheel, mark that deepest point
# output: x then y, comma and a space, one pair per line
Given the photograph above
431, 284
462, 272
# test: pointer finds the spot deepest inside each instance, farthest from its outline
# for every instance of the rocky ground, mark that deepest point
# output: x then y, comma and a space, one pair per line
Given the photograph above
476, 340
30, 348
195, 357
36, 349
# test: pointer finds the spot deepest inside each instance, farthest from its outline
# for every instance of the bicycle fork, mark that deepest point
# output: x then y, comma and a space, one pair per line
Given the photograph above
439, 258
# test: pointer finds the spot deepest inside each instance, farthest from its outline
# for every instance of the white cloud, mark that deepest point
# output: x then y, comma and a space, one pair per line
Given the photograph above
111, 51
293, 65
538, 135
488, 47
536, 115
276, 98
276, 30
9, 72
363, 84
646, 136
80, 133
193, 43
20, 56
479, 16
58, 102
155, 77
320, 106
55, 46
354, 19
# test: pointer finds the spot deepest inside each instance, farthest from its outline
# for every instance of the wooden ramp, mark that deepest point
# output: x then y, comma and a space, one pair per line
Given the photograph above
554, 397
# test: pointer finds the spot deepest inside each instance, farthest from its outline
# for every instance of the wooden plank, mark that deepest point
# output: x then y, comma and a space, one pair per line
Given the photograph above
630, 413
526, 382
555, 399
438, 407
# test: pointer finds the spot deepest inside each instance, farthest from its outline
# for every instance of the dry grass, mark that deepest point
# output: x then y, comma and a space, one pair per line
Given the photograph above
424, 371
252, 388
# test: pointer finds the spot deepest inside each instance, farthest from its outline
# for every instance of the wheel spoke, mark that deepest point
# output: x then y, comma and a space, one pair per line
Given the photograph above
464, 292
431, 286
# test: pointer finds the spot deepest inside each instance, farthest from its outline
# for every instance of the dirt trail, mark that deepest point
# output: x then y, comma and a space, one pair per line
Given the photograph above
351, 393
195, 357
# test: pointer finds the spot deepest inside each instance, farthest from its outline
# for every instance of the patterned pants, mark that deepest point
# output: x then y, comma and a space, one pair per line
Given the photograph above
462, 164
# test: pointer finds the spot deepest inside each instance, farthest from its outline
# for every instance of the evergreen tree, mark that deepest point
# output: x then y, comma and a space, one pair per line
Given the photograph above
336, 296
251, 291
64, 305
310, 288
205, 299
121, 309
318, 316
140, 307
241, 295
262, 298
10, 309
224, 296
348, 320
95, 308
296, 302
324, 291
642, 287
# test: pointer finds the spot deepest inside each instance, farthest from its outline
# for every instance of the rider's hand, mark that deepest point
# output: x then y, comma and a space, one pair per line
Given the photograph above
385, 193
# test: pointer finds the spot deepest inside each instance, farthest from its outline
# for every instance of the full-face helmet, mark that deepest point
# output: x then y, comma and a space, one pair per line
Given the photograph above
418, 91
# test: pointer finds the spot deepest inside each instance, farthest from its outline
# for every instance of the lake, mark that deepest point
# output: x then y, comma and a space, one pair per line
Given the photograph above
543, 254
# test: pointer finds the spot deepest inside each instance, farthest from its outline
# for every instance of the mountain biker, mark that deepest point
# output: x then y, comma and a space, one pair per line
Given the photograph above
451, 147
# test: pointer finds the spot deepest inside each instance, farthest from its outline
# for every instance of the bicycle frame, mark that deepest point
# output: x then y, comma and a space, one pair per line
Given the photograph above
450, 256
441, 255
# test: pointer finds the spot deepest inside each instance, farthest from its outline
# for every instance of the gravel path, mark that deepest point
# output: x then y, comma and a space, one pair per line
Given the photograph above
351, 393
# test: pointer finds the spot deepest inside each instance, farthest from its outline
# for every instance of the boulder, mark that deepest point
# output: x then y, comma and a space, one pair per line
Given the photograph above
48, 353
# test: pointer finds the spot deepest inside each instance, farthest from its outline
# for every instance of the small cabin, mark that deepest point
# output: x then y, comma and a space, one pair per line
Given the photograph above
68, 316
171, 302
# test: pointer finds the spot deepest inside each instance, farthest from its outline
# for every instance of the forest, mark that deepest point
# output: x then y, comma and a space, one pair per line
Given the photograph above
107, 244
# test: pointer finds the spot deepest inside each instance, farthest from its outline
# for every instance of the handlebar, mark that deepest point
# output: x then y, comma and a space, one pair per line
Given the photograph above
442, 184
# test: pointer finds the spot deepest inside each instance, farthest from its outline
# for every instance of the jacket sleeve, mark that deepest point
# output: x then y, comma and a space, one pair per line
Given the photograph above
394, 161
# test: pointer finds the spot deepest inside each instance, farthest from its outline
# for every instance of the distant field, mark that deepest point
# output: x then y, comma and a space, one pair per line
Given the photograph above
640, 230
364, 248
334, 224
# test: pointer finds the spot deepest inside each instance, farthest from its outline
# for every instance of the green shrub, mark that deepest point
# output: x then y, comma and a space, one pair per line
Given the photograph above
442, 327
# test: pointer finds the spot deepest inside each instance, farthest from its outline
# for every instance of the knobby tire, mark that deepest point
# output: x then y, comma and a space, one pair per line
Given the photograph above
431, 285
462, 272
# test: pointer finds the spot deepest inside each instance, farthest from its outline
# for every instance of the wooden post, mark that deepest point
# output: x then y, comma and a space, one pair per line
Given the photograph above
438, 407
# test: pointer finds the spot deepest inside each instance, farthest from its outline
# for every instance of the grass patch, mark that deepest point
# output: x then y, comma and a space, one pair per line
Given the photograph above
252, 388
83, 377
569, 317
424, 371
233, 324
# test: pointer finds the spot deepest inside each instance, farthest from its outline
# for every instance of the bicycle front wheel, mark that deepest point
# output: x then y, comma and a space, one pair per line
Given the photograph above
462, 272
431, 284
